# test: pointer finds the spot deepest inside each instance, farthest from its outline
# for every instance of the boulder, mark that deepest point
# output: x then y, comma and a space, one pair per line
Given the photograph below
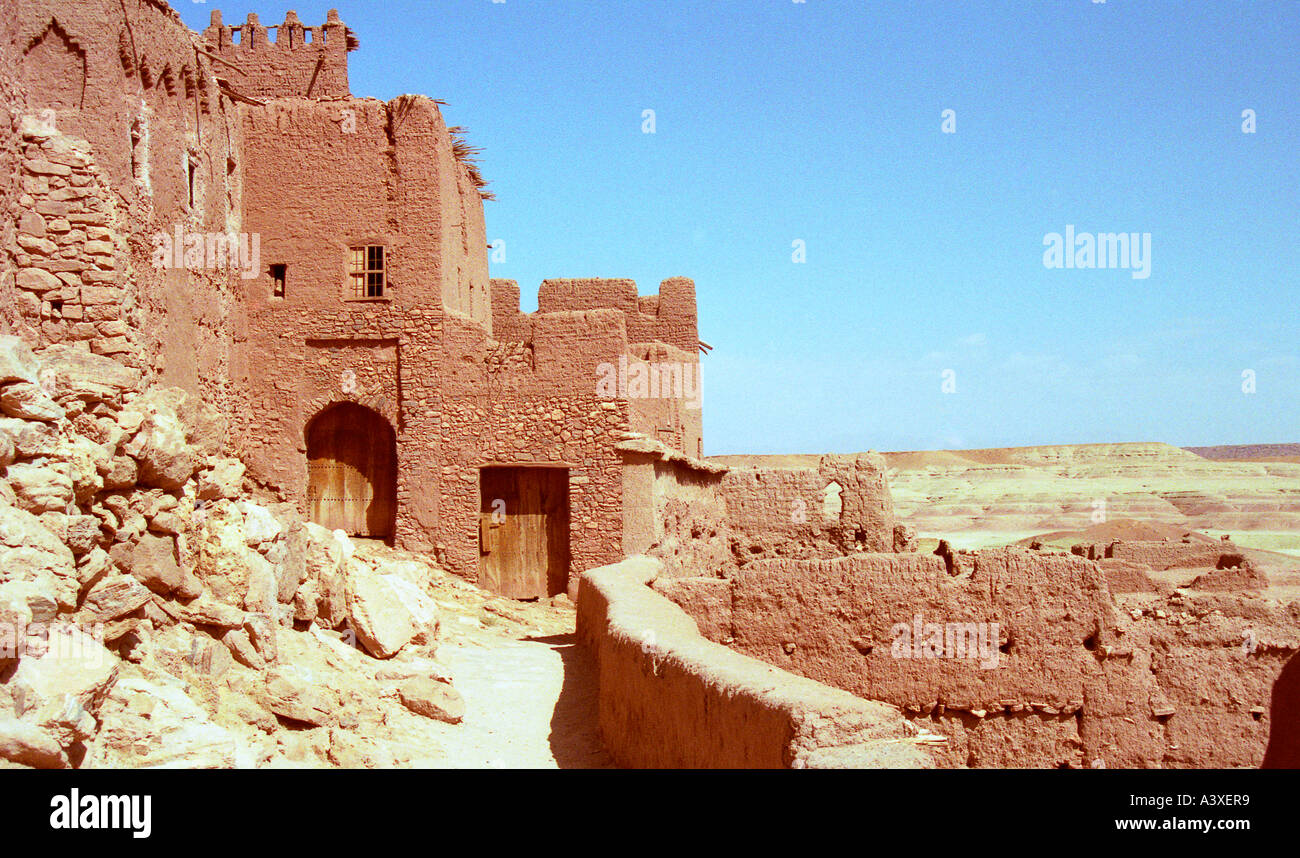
29, 553
30, 439
61, 690
82, 533
122, 473
166, 460
259, 524
222, 557
24, 743
115, 596
28, 401
291, 693
262, 634
80, 374
204, 611
291, 566
240, 644
209, 657
85, 462
149, 722
225, 479
17, 363
153, 562
432, 699
203, 426
262, 585
40, 487
382, 621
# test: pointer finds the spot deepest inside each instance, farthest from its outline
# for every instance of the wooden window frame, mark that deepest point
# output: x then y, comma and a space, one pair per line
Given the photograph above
367, 272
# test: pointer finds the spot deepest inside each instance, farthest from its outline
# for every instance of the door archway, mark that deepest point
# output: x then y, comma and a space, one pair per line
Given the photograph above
352, 471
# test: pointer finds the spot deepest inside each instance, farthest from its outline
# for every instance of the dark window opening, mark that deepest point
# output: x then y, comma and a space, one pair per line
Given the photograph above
366, 271
56, 306
278, 272
192, 170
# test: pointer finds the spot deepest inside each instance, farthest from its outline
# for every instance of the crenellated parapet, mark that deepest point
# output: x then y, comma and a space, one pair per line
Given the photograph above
668, 317
301, 61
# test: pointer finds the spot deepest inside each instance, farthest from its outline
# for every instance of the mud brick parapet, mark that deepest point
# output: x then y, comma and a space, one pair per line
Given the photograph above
668, 317
668, 698
311, 62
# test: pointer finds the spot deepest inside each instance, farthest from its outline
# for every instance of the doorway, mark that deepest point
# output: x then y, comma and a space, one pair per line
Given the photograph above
352, 471
524, 531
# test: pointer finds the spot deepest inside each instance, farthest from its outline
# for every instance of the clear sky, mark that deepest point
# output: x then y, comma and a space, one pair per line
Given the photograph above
821, 122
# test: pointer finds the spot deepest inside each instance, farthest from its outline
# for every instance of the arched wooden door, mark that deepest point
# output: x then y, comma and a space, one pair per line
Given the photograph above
352, 471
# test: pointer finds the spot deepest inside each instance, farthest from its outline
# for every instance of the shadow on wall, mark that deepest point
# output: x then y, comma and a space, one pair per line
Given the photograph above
1284, 732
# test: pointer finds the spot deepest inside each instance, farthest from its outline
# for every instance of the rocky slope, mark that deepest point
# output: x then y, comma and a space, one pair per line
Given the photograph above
156, 609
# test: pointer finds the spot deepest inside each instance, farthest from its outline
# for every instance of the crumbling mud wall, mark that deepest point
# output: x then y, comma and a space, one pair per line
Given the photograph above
1034, 663
703, 518
670, 699
118, 133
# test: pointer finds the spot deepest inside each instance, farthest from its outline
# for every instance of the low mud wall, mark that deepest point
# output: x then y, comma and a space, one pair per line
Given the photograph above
669, 698
1019, 658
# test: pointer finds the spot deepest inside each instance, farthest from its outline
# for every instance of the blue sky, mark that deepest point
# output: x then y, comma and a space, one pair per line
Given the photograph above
820, 122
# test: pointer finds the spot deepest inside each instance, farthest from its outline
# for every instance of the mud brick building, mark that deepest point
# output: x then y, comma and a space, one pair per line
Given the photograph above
374, 373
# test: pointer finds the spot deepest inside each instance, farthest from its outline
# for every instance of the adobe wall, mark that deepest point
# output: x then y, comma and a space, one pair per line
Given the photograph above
1077, 681
1171, 555
286, 59
842, 506
666, 401
110, 105
668, 317
322, 177
667, 698
703, 518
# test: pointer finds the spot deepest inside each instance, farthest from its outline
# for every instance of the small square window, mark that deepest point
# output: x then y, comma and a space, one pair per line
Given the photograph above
366, 271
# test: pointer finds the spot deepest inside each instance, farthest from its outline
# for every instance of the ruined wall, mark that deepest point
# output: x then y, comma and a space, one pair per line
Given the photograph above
669, 317
657, 371
668, 698
702, 519
841, 507
123, 136
1076, 681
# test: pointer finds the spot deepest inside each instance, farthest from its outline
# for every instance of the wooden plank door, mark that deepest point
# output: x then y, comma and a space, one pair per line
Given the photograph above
352, 472
523, 530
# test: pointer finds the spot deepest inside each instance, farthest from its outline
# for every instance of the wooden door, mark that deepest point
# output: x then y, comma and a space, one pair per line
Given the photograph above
524, 531
352, 471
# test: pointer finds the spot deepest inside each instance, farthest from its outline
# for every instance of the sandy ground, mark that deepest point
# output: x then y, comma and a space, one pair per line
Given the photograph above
528, 704
529, 689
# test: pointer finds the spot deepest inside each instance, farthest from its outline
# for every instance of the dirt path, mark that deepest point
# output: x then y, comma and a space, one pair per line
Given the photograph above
529, 703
